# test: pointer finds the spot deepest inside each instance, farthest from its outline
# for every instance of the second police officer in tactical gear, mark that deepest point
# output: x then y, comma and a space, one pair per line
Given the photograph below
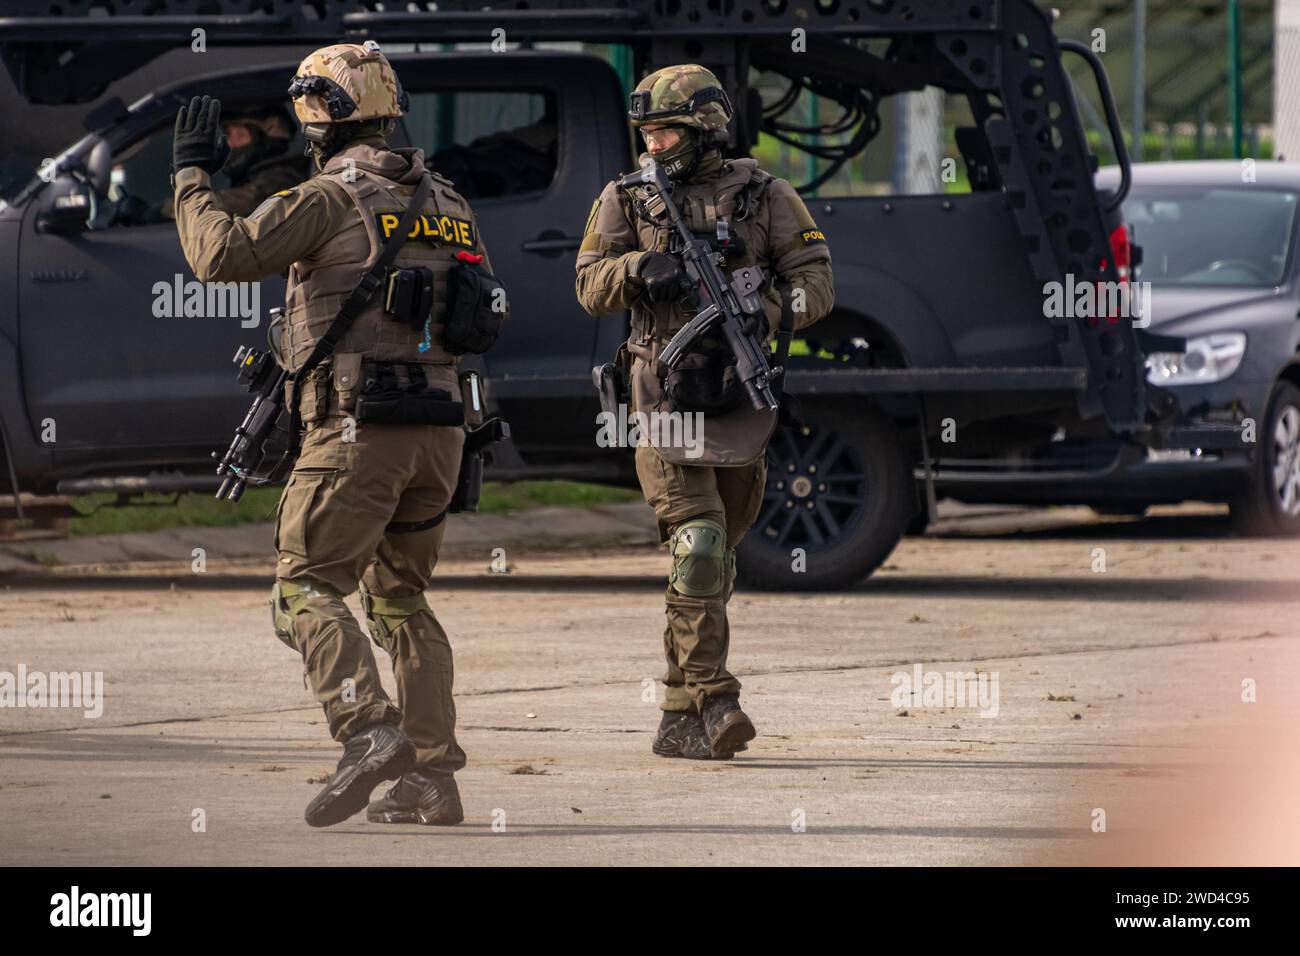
260, 163
365, 501
704, 503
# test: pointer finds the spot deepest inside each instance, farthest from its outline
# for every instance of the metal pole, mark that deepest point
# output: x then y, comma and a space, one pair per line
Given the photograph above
1139, 78
1234, 75
813, 120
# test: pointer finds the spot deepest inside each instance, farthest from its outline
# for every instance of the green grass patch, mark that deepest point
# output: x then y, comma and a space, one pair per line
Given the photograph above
98, 514
499, 498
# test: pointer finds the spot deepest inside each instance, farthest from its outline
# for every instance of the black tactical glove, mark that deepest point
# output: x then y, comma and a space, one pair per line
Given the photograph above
665, 280
199, 140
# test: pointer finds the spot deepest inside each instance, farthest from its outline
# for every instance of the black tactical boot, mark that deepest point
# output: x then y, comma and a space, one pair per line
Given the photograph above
421, 796
681, 734
725, 724
375, 753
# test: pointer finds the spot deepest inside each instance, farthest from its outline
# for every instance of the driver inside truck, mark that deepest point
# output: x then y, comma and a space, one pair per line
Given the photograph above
261, 163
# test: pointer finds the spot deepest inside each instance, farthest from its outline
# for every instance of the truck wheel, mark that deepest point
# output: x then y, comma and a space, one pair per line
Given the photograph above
1271, 505
837, 498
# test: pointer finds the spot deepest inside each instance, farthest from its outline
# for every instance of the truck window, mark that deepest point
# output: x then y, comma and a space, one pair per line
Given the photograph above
141, 192
489, 143
141, 183
857, 143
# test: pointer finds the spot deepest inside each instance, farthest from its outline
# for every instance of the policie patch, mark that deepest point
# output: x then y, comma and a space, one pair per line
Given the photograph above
437, 230
812, 237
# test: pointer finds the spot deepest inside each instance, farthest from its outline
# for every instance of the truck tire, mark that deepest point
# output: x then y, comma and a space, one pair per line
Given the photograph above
839, 491
1271, 506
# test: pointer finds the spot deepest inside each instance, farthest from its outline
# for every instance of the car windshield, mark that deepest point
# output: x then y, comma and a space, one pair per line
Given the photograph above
1204, 236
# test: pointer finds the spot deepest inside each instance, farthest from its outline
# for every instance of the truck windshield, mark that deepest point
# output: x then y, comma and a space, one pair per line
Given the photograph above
1212, 237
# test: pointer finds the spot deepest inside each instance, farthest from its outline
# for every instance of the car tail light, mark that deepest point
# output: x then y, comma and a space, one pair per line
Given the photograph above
1121, 247
1121, 250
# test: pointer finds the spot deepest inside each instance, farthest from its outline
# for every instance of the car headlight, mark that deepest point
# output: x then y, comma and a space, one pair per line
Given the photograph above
1209, 358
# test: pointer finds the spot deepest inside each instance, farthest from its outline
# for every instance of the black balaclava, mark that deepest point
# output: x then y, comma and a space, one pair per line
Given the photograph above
691, 159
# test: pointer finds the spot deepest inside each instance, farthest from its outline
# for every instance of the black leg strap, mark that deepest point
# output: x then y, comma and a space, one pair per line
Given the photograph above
406, 527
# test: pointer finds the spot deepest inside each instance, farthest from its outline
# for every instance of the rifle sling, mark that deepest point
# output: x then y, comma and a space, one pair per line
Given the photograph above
784, 333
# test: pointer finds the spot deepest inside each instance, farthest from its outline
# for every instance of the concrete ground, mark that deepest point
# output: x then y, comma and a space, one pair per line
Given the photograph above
1119, 690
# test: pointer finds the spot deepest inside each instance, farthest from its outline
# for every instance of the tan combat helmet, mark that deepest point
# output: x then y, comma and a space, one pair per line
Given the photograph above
346, 83
683, 95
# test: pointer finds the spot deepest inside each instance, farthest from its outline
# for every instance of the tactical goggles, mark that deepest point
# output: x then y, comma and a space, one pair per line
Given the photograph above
638, 108
337, 100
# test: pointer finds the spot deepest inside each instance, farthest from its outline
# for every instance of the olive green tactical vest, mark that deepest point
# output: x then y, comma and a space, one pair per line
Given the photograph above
734, 196
317, 288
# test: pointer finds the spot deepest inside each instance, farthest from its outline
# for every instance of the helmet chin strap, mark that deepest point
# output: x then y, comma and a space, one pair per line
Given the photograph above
326, 139
321, 142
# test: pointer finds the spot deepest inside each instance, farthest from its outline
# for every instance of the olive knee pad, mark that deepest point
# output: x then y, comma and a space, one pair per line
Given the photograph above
288, 597
386, 614
701, 558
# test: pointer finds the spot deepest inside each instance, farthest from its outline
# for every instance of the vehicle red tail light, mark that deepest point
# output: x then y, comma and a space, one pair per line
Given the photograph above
1121, 247
1121, 250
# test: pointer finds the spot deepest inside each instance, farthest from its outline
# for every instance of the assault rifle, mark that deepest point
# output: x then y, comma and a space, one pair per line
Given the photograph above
257, 436
732, 308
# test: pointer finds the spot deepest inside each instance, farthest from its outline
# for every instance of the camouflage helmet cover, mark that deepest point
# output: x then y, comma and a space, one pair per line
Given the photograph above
673, 89
344, 83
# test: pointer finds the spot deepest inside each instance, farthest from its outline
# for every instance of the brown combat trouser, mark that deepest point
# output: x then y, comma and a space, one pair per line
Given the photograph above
697, 636
330, 534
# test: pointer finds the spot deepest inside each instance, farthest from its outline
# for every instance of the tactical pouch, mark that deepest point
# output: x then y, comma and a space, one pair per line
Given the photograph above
432, 407
394, 395
704, 381
408, 296
472, 323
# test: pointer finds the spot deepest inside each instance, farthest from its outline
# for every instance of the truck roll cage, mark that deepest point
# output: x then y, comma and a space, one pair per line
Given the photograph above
1001, 54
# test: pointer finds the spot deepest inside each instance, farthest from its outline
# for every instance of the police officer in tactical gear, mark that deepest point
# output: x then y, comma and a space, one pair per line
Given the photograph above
260, 164
704, 503
365, 502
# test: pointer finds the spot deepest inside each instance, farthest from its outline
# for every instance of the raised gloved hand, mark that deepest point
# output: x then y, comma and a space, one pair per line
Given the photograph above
665, 279
199, 140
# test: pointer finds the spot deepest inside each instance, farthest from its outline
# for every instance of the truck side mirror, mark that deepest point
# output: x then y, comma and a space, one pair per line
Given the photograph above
67, 206
99, 166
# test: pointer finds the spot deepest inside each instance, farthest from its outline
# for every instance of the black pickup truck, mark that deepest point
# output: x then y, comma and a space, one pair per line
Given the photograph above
939, 334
